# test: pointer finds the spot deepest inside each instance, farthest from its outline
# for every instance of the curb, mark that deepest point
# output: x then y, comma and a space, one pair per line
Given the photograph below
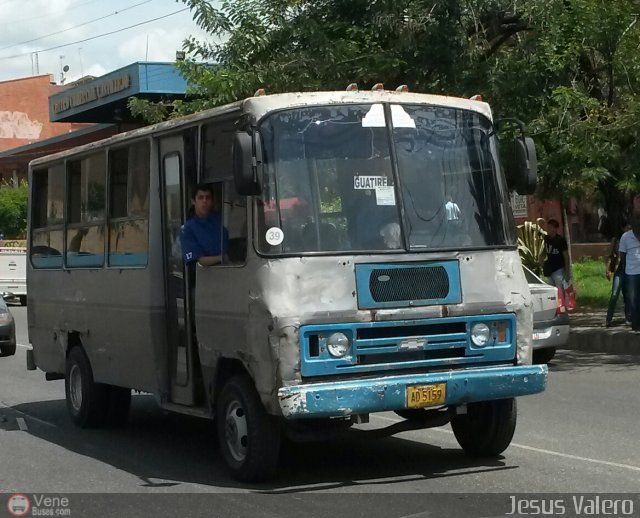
614, 340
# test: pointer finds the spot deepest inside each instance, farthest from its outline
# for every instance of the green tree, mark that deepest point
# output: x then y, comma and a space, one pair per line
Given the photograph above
13, 211
298, 45
574, 79
569, 68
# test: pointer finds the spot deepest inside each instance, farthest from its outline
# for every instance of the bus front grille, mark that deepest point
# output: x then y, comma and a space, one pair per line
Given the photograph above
397, 285
425, 283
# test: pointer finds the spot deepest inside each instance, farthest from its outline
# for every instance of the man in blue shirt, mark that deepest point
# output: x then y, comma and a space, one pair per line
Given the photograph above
203, 237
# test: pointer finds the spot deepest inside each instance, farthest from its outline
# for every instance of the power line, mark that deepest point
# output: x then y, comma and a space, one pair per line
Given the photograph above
76, 26
94, 37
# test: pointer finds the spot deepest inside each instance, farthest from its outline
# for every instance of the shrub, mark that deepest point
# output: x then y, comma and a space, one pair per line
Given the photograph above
13, 210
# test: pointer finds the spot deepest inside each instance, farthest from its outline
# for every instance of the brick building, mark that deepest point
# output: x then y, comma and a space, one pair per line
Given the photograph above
38, 117
580, 217
24, 118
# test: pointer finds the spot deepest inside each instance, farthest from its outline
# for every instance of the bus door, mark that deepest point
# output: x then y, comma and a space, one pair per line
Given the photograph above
177, 161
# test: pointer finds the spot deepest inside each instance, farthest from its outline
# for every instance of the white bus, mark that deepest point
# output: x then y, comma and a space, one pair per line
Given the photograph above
345, 290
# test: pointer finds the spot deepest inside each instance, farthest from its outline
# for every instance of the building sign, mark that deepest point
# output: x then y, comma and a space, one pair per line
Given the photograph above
96, 91
519, 205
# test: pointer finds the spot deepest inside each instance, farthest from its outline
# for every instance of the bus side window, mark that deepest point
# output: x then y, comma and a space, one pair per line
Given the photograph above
86, 208
129, 205
235, 221
47, 210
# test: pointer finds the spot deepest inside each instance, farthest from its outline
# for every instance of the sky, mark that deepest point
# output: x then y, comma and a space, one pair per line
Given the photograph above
30, 29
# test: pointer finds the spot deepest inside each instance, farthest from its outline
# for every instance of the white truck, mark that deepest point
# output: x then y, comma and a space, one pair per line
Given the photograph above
13, 273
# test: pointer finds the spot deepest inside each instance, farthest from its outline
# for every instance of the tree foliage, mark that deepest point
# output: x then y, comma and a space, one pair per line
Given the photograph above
13, 210
569, 68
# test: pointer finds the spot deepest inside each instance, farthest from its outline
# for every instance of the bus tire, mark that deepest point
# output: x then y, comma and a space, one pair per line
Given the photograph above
87, 401
249, 438
7, 350
542, 356
118, 406
487, 428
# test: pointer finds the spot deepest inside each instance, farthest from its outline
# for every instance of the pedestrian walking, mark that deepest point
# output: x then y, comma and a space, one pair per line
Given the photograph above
629, 251
556, 266
615, 273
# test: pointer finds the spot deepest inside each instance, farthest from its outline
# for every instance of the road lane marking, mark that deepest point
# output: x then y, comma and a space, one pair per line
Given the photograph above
577, 457
538, 450
22, 424
36, 419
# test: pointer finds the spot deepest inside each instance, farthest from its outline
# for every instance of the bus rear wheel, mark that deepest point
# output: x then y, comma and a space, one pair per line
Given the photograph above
487, 428
119, 403
92, 404
86, 400
248, 436
7, 350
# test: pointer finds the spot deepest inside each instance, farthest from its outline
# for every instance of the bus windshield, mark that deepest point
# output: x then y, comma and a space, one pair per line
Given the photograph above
348, 179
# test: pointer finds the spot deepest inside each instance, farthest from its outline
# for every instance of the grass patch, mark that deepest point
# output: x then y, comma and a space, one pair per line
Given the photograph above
592, 286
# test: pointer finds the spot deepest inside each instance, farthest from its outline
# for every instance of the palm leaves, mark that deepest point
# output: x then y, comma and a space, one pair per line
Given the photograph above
531, 246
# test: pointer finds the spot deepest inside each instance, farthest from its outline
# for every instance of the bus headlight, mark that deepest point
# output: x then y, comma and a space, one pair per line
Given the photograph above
480, 334
338, 345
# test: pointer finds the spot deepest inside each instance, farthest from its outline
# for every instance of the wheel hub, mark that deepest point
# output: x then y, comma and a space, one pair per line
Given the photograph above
75, 387
235, 431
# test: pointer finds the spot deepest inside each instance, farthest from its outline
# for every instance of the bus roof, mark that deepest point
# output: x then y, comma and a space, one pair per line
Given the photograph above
261, 105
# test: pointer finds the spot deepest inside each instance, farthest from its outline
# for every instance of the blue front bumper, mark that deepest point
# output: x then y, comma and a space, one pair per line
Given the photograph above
362, 396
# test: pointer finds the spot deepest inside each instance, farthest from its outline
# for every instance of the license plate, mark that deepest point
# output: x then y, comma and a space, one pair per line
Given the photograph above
420, 396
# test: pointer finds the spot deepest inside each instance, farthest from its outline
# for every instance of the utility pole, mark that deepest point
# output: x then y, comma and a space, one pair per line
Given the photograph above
34, 60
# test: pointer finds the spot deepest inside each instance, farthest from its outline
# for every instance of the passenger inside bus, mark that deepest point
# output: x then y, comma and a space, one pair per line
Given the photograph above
203, 237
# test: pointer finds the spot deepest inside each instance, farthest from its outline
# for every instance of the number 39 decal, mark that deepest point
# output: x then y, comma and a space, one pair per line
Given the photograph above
274, 236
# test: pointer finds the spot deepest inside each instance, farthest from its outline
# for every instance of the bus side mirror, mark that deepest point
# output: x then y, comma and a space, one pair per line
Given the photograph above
521, 166
526, 166
246, 158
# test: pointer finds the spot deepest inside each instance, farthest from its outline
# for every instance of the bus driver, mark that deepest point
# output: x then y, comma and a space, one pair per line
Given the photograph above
200, 235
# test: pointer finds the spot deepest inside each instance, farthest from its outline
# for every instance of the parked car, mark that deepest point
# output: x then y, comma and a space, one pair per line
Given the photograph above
7, 331
13, 274
550, 318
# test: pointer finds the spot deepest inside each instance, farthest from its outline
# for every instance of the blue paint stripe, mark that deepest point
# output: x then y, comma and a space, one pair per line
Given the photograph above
323, 364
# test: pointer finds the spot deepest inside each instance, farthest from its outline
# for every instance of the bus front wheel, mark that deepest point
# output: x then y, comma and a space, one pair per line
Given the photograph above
249, 437
487, 428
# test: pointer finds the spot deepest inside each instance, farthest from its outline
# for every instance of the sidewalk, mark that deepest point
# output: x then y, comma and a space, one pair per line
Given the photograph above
589, 334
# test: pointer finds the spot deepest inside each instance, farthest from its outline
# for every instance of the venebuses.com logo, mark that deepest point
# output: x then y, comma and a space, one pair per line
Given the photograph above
18, 505
38, 505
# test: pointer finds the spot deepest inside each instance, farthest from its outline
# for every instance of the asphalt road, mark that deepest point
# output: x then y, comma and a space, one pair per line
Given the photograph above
581, 435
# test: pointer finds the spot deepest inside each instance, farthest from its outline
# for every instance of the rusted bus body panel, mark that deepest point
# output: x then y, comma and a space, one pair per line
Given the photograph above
267, 301
347, 397
122, 332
